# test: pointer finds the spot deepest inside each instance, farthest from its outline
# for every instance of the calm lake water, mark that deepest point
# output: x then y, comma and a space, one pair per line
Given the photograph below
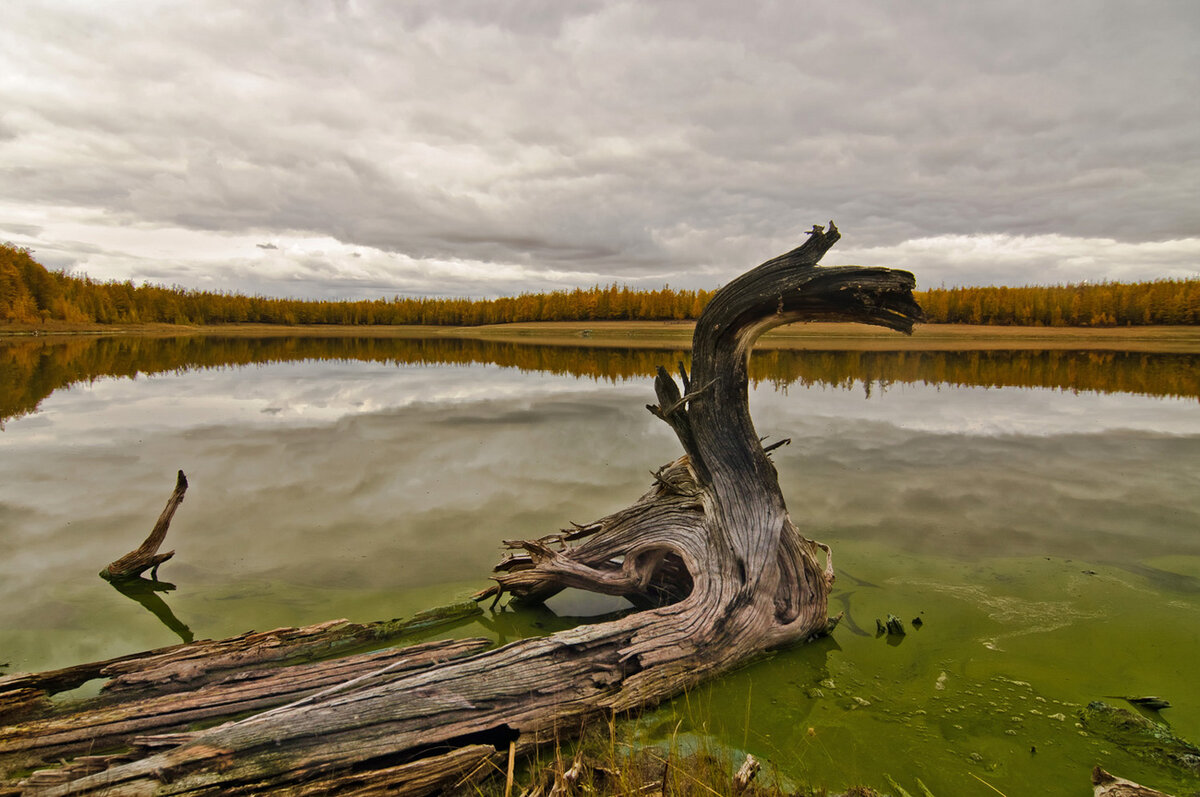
1040, 512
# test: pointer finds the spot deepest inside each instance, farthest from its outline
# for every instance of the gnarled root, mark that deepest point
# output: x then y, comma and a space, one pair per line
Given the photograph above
640, 553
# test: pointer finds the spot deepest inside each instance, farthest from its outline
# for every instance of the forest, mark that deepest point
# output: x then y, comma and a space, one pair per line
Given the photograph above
31, 294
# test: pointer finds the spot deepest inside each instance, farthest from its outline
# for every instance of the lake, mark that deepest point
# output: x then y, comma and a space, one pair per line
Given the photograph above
1038, 511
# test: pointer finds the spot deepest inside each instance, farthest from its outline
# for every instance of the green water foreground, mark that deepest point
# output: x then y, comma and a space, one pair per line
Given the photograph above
987, 692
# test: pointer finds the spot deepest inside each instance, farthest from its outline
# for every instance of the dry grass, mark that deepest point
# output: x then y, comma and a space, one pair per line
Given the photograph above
606, 762
823, 336
674, 334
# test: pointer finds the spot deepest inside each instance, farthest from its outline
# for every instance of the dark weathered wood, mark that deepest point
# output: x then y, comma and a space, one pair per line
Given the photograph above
710, 551
17, 704
146, 556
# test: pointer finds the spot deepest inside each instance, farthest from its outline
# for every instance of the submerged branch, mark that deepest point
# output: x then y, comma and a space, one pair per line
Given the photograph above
146, 556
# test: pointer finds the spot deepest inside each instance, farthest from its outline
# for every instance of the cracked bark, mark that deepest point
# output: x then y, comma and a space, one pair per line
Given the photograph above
709, 552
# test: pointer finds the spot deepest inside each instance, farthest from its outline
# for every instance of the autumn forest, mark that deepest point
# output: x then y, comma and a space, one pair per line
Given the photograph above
31, 294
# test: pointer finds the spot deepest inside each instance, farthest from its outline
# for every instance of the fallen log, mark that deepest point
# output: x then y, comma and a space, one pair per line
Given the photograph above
709, 552
113, 723
166, 692
181, 667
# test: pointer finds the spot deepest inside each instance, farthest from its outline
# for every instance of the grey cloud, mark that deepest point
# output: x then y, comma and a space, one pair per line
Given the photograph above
21, 229
529, 17
624, 139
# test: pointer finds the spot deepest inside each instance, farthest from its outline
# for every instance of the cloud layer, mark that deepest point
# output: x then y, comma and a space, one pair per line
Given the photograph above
484, 148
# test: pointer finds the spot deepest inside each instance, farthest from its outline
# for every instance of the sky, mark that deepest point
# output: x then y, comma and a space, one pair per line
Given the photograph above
347, 149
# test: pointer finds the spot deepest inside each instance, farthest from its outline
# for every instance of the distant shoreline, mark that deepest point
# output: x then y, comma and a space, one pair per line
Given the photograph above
677, 334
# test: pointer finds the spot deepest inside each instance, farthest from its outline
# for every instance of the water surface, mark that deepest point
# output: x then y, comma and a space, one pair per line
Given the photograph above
1038, 511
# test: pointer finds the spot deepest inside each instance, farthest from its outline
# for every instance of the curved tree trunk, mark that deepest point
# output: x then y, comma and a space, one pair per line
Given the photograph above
709, 550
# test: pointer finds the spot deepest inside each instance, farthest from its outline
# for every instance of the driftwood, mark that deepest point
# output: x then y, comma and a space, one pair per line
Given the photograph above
709, 552
170, 689
146, 556
746, 773
248, 690
1106, 785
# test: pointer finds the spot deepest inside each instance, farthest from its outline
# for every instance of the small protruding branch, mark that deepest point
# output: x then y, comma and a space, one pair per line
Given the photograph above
671, 480
146, 556
682, 401
828, 572
488, 592
581, 531
667, 392
672, 407
785, 441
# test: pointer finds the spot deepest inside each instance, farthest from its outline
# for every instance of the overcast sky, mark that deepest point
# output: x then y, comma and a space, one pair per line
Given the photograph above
358, 149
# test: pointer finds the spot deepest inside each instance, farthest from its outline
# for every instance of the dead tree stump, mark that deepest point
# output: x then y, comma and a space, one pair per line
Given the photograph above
709, 551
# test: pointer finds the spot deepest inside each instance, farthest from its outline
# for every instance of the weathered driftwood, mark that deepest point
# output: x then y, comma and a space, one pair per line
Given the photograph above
111, 723
146, 556
710, 551
1106, 785
746, 773
181, 667
171, 689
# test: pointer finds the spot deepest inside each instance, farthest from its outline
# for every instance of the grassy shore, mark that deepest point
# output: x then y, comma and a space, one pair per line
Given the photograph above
659, 334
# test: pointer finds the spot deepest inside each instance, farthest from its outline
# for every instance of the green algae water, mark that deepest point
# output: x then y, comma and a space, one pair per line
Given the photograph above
1042, 523
985, 694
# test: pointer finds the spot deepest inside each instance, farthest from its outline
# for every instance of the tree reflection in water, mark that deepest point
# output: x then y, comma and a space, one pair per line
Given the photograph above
30, 370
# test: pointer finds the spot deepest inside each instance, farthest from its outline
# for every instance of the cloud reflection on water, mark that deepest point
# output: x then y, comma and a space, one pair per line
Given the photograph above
324, 489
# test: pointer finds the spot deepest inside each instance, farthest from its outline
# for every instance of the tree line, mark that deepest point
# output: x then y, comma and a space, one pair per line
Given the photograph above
1104, 304
30, 294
